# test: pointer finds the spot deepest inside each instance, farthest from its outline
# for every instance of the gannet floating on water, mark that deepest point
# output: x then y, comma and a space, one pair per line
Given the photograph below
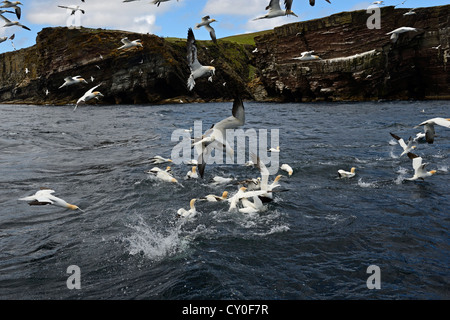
90, 94
197, 70
192, 174
287, 168
45, 197
252, 207
10, 23
163, 175
158, 2
347, 174
72, 80
183, 213
419, 168
206, 22
14, 5
429, 127
73, 9
264, 186
130, 44
275, 10
395, 33
277, 149
406, 147
159, 159
217, 135
214, 198
221, 180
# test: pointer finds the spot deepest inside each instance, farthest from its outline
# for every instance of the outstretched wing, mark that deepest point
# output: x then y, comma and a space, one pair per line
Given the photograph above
192, 51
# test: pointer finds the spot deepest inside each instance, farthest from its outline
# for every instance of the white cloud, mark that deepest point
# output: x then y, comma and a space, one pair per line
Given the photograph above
133, 16
235, 7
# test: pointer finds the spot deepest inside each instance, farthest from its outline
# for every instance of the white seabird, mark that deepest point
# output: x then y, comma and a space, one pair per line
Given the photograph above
72, 80
45, 197
90, 94
252, 207
406, 147
130, 44
197, 70
429, 127
159, 159
10, 23
264, 185
287, 168
214, 198
347, 174
277, 149
308, 56
14, 5
217, 135
183, 213
158, 2
419, 168
395, 33
163, 175
73, 9
275, 10
206, 22
409, 13
192, 174
221, 180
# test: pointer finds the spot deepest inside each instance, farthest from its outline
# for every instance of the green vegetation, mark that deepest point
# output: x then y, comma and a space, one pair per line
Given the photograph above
246, 38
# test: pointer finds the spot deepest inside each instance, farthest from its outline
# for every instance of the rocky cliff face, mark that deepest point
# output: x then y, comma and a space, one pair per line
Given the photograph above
358, 63
156, 73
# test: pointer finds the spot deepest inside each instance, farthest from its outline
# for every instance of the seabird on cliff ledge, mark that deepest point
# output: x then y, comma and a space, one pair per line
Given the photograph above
429, 127
275, 10
197, 70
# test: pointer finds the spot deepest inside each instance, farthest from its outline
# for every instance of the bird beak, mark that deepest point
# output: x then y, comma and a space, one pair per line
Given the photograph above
433, 171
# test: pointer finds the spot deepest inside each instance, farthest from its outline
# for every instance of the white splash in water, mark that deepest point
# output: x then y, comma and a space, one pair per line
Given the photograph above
366, 184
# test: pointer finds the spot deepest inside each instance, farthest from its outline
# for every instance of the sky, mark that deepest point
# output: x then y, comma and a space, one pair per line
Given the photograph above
172, 18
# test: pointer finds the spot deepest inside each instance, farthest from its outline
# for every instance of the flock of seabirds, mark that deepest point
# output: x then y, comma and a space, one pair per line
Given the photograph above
255, 192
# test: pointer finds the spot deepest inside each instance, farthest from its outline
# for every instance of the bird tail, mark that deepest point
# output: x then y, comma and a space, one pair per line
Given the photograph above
191, 83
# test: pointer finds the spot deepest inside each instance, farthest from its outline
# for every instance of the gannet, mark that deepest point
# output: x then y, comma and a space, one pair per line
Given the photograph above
3, 39
313, 2
235, 199
222, 180
10, 23
429, 127
90, 94
420, 137
217, 135
395, 33
197, 70
307, 56
73, 9
252, 207
419, 168
252, 183
159, 159
192, 174
158, 2
406, 147
346, 174
378, 2
267, 194
206, 22
409, 13
72, 80
287, 168
214, 198
277, 149
264, 185
45, 197
14, 5
163, 175
183, 213
130, 44
275, 10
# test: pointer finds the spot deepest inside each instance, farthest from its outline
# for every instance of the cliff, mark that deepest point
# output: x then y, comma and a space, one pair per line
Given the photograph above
357, 63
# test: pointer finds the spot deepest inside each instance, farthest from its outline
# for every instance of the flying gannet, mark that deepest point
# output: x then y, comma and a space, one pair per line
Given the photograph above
206, 22
429, 127
264, 186
183, 213
406, 147
275, 10
130, 44
163, 175
14, 5
197, 70
313, 2
158, 2
45, 197
159, 159
419, 168
217, 135
10, 23
72, 80
395, 33
90, 94
307, 56
73, 9
409, 13
346, 174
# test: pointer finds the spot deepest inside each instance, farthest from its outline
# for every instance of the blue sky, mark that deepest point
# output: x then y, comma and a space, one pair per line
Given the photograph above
173, 18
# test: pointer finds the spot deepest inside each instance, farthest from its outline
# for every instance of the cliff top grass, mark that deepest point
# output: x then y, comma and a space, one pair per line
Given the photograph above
246, 38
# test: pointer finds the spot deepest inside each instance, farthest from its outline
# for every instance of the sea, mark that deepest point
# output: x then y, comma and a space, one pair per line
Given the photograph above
376, 236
